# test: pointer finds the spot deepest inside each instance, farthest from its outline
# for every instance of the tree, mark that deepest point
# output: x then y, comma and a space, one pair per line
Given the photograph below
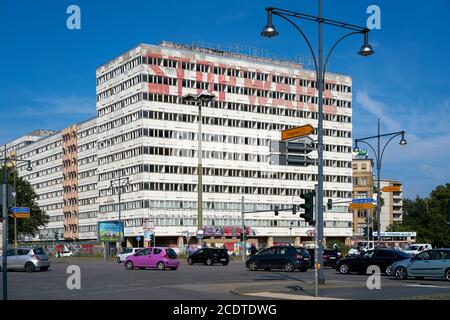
428, 217
26, 197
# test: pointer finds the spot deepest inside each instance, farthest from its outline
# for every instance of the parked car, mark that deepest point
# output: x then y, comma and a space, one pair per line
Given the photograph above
379, 257
434, 263
414, 249
28, 259
288, 258
64, 253
125, 253
155, 257
209, 256
330, 257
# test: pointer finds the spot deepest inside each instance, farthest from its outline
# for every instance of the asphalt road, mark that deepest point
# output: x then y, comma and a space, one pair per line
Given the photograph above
110, 280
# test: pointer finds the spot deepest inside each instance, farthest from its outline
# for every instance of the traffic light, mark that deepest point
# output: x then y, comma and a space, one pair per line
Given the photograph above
330, 204
308, 206
276, 210
367, 231
294, 209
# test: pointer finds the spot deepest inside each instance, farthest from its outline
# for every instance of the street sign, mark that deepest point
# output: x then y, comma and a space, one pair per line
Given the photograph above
356, 206
138, 238
391, 189
363, 200
20, 215
296, 132
19, 210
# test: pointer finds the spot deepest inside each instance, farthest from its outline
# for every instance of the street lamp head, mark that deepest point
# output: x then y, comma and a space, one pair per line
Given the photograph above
29, 168
403, 141
356, 149
269, 29
366, 49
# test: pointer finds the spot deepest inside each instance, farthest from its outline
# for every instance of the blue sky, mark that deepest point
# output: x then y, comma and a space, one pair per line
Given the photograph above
48, 71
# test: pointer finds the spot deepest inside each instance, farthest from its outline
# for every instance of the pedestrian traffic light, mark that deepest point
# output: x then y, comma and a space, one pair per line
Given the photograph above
367, 232
294, 209
330, 204
276, 210
308, 206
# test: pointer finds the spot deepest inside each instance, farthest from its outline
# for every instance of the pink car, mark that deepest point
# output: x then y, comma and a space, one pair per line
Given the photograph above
160, 258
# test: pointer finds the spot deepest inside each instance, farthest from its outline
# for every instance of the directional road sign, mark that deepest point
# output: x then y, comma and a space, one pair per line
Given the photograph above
19, 210
363, 200
391, 189
20, 215
296, 132
355, 206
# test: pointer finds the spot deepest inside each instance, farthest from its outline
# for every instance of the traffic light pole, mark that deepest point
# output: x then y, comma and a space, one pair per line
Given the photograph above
243, 230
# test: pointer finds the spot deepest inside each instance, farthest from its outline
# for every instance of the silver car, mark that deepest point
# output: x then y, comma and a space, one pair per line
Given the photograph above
28, 259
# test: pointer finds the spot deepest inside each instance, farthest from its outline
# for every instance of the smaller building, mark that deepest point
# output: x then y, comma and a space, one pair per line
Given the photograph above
362, 188
392, 210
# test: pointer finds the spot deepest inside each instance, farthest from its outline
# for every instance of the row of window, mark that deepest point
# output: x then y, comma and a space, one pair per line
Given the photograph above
219, 70
242, 107
33, 152
87, 146
47, 183
227, 88
219, 172
87, 174
87, 160
88, 215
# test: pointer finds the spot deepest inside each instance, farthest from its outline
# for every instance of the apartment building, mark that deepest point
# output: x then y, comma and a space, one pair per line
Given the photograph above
392, 210
362, 188
146, 132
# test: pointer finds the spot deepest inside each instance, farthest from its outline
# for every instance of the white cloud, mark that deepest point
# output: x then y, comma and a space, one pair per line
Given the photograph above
424, 162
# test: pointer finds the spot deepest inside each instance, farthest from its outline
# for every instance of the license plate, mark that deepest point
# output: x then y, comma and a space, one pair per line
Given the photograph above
332, 258
305, 258
223, 259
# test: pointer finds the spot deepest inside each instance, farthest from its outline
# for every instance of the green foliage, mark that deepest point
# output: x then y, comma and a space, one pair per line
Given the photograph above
26, 197
428, 217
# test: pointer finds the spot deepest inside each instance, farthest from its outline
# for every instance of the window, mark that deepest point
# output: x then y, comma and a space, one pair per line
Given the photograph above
144, 252
427, 255
268, 252
22, 252
369, 254
385, 254
156, 251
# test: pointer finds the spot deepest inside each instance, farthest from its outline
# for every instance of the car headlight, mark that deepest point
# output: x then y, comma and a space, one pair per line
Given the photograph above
389, 270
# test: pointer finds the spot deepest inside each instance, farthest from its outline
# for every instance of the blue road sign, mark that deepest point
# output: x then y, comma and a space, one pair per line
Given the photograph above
363, 200
138, 238
20, 210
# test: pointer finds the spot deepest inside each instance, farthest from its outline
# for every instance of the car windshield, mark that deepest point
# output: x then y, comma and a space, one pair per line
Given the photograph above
38, 251
127, 250
402, 254
411, 247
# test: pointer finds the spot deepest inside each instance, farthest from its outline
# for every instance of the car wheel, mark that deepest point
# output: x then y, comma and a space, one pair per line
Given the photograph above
161, 266
344, 268
29, 267
209, 262
289, 267
447, 275
118, 260
400, 273
129, 265
252, 266
190, 261
44, 269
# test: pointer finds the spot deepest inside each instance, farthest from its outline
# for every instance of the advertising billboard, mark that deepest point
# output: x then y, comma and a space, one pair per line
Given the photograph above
109, 231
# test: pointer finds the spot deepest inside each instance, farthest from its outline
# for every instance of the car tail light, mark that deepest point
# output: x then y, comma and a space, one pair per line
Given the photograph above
35, 257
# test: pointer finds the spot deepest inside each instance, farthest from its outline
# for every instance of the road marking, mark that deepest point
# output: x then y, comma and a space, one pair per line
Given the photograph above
425, 286
286, 296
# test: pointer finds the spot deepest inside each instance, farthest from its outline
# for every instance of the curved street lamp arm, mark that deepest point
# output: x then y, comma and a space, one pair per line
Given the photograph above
370, 148
388, 143
332, 48
305, 38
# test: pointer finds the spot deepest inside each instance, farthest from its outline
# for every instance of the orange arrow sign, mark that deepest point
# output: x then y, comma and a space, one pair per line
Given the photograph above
20, 215
296, 132
391, 189
356, 206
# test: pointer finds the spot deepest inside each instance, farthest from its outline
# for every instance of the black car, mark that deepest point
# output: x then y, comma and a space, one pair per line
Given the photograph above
288, 258
330, 257
209, 256
378, 257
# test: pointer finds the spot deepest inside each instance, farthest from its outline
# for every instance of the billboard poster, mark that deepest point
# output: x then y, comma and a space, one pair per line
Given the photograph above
109, 231
226, 231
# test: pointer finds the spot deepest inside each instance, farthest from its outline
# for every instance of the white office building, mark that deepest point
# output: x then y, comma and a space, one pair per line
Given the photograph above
146, 133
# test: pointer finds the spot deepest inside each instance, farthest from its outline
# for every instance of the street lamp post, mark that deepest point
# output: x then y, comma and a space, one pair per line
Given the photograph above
379, 157
320, 69
199, 99
5, 219
119, 183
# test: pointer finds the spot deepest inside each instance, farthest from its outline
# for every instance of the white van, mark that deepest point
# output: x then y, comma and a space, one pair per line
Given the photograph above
417, 248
